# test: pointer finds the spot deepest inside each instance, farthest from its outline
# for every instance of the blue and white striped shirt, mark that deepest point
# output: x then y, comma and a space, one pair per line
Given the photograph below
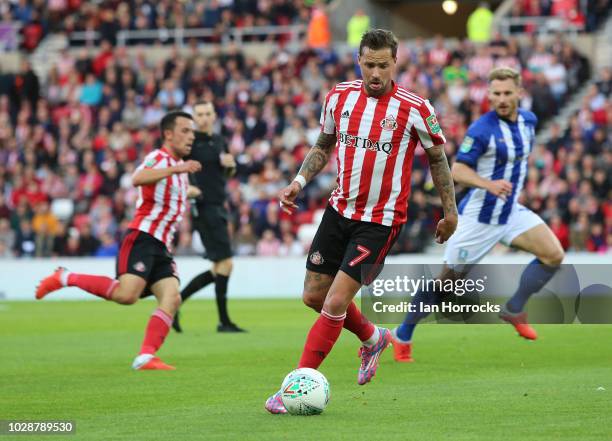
496, 149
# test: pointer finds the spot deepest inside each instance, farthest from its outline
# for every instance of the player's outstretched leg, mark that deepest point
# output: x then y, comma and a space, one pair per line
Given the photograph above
533, 279
167, 293
100, 286
50, 283
124, 291
542, 242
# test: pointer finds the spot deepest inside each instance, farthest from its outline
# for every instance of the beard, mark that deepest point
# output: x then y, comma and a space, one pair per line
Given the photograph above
378, 89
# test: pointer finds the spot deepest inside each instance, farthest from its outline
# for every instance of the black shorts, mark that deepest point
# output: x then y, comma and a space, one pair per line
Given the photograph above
143, 255
345, 244
211, 223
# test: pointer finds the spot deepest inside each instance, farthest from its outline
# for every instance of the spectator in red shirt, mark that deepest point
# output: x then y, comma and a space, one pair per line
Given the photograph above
560, 230
597, 239
105, 55
90, 182
33, 194
32, 32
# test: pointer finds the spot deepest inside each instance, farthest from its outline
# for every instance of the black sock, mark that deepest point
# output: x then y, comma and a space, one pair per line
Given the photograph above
221, 296
196, 284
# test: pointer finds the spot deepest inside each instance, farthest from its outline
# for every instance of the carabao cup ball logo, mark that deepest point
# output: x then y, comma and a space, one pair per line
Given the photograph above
305, 392
300, 386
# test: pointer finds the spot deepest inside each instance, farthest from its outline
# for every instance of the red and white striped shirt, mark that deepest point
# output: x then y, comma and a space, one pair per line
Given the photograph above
160, 206
376, 142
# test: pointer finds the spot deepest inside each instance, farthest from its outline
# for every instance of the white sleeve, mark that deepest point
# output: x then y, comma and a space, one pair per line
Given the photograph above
427, 126
153, 160
328, 125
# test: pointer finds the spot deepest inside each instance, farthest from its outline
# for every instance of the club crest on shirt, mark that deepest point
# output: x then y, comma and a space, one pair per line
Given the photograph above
140, 267
389, 123
316, 258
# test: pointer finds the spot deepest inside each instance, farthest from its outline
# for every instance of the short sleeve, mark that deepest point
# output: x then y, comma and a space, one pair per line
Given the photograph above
471, 148
529, 117
152, 160
427, 126
328, 125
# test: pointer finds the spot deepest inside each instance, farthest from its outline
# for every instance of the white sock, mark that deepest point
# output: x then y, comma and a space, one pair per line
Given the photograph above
373, 338
141, 360
64, 277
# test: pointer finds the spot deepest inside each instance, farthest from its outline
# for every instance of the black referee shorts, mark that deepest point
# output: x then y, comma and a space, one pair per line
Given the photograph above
346, 244
211, 223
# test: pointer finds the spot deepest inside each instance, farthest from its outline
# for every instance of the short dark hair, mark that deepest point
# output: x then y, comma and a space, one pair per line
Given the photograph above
376, 39
169, 120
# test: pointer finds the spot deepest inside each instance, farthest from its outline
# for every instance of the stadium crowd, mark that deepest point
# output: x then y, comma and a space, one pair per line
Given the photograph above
108, 17
67, 150
587, 14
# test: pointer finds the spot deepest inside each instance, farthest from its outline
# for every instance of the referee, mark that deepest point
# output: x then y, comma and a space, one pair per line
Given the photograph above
209, 213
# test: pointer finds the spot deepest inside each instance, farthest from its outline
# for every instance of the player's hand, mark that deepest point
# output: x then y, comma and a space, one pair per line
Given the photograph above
189, 166
287, 195
227, 160
500, 188
193, 192
445, 229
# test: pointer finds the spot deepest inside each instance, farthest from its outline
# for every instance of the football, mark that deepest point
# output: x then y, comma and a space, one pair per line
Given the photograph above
305, 391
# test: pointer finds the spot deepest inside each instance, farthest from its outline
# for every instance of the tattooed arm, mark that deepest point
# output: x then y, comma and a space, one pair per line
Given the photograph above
318, 156
315, 161
440, 172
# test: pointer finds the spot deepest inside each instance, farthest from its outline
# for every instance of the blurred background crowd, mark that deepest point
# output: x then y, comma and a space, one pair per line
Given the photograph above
68, 149
587, 14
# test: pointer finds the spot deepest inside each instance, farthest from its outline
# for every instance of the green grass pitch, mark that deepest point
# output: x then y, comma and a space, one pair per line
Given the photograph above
71, 360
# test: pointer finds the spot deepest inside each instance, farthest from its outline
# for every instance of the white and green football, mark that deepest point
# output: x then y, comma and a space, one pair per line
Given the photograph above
305, 391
